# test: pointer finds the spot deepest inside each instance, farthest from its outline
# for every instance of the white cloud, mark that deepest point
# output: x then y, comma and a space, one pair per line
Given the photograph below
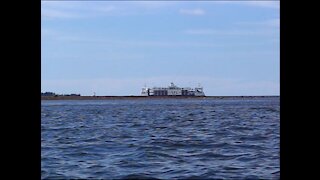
262, 4
87, 9
83, 9
201, 31
105, 8
64, 37
61, 10
51, 13
265, 4
271, 23
195, 12
67, 10
154, 4
237, 32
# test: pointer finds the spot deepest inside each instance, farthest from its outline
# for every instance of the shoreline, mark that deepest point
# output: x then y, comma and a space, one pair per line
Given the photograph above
148, 97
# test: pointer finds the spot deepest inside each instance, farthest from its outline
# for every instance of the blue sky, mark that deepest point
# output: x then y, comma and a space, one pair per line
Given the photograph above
114, 48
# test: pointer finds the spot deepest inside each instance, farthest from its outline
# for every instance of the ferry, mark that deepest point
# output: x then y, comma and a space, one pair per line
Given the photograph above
172, 90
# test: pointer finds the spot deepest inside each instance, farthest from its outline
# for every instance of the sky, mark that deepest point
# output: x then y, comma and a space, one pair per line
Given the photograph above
230, 48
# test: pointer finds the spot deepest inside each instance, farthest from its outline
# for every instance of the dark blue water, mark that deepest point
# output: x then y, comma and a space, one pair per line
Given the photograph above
163, 139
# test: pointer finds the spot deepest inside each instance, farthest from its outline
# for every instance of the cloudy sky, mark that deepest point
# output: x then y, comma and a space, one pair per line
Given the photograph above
115, 48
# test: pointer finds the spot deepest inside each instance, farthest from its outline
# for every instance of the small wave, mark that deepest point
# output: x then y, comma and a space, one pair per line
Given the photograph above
138, 176
160, 139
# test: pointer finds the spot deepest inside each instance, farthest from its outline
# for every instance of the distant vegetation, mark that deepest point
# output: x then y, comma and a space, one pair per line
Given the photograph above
54, 94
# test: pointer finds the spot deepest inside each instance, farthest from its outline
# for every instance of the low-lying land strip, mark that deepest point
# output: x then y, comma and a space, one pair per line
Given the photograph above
146, 97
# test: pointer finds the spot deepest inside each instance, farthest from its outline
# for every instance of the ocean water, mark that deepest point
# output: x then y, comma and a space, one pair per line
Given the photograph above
161, 139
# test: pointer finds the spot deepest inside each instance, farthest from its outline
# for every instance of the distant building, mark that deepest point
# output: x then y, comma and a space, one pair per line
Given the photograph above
54, 94
74, 95
48, 94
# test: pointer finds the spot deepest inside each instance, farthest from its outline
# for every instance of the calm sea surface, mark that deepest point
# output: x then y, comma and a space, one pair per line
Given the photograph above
163, 139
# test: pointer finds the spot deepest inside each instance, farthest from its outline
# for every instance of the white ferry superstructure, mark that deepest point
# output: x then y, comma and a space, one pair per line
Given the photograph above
172, 90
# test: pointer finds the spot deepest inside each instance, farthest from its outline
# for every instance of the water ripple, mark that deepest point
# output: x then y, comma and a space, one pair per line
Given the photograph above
160, 139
